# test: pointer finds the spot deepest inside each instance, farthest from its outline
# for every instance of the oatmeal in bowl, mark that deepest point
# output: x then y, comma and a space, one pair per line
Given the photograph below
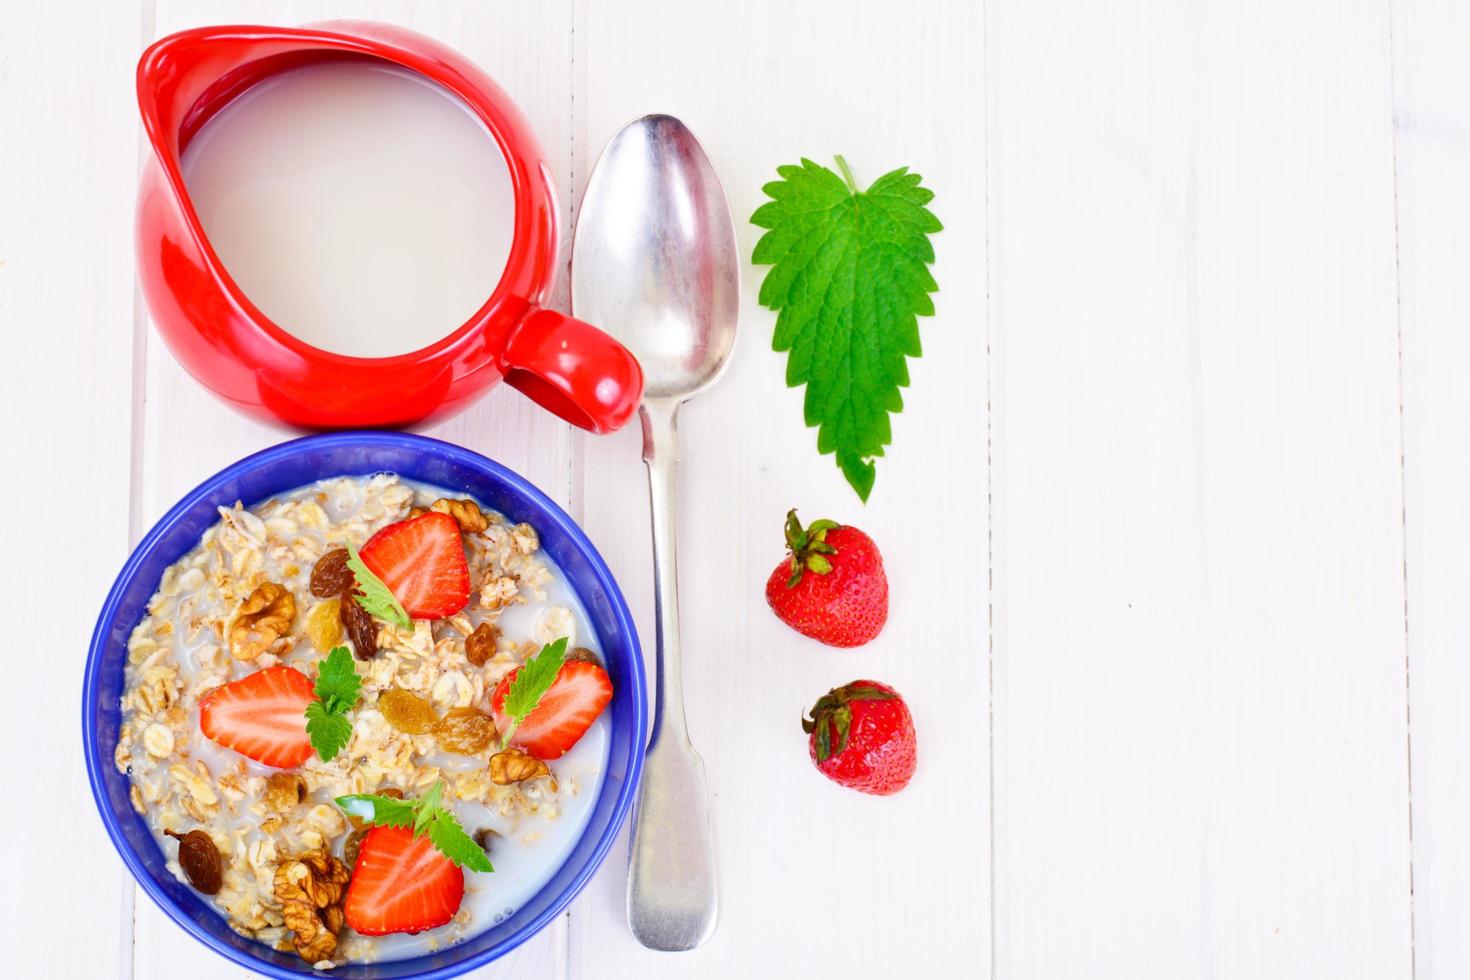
387, 718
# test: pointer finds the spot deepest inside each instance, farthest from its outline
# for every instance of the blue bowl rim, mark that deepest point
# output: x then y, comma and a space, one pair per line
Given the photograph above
96, 762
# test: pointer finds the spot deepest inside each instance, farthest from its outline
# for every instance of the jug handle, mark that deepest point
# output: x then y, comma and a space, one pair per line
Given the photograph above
574, 370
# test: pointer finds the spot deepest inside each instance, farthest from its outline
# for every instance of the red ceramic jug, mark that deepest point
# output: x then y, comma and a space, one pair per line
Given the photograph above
565, 365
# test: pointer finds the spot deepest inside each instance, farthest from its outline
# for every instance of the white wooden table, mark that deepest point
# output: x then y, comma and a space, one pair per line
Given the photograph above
1176, 515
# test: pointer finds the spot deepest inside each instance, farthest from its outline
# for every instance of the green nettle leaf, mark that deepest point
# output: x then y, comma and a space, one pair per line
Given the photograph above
373, 595
532, 681
451, 841
426, 815
382, 811
849, 278
427, 805
337, 690
337, 683
329, 733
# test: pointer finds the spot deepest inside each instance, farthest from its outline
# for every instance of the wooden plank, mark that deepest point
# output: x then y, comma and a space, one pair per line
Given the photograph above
187, 434
66, 335
1200, 744
804, 863
1433, 148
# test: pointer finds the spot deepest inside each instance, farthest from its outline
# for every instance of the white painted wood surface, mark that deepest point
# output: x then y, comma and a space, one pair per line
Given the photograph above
1200, 737
1173, 514
1432, 136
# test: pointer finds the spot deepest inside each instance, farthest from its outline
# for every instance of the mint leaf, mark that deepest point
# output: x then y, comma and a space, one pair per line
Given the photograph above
337, 689
329, 733
337, 683
382, 811
425, 815
452, 842
849, 277
373, 595
532, 681
427, 804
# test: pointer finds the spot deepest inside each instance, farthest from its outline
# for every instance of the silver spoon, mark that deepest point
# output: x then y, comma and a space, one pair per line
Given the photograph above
655, 264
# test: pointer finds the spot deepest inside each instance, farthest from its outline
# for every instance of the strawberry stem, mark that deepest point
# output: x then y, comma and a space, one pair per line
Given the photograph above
809, 549
831, 716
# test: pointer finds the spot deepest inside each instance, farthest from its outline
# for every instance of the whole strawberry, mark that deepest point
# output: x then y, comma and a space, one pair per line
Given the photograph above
832, 587
861, 735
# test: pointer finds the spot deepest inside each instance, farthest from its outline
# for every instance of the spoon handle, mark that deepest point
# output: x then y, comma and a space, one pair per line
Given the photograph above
671, 869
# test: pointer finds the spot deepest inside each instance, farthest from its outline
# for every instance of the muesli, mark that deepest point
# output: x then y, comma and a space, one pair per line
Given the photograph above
348, 702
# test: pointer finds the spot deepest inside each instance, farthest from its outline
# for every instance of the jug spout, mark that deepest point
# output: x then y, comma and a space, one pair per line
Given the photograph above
183, 78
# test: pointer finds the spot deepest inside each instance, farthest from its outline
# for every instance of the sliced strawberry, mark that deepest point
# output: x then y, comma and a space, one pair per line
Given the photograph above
565, 712
421, 561
261, 716
401, 884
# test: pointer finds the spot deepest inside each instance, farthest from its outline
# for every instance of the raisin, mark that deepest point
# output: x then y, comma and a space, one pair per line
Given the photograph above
361, 628
484, 836
331, 577
406, 712
200, 860
324, 625
465, 731
352, 844
585, 655
479, 646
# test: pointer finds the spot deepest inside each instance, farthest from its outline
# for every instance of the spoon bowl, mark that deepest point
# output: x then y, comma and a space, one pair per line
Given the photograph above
655, 261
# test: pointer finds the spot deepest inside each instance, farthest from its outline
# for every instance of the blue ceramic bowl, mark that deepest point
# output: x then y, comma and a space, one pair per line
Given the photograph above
283, 468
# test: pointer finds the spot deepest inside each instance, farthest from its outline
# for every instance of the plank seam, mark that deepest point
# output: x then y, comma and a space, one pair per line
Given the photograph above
577, 457
1403, 481
989, 485
147, 24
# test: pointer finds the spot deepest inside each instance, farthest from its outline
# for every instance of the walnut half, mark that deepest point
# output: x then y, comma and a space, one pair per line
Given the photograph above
261, 620
466, 514
310, 889
284, 791
515, 766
